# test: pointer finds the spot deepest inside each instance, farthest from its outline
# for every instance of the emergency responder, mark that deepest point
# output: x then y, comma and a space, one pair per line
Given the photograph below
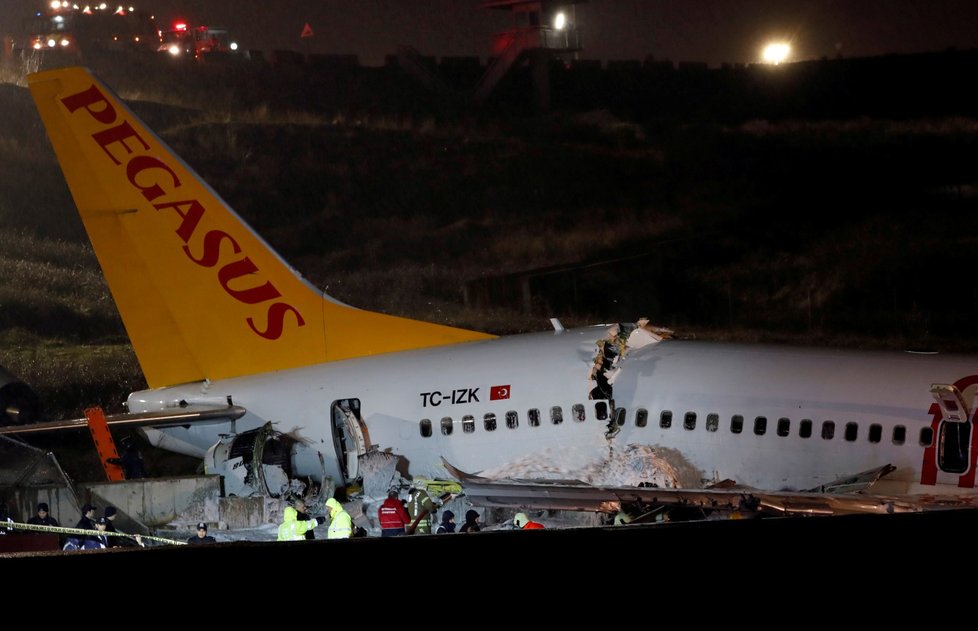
522, 522
291, 529
392, 516
421, 510
471, 522
340, 522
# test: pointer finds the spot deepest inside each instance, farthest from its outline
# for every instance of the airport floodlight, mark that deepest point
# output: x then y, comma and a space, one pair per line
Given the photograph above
776, 52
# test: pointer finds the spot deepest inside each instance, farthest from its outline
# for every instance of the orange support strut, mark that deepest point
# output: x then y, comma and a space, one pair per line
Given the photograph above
104, 444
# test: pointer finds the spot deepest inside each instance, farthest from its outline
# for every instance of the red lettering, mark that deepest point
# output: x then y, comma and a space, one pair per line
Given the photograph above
276, 320
191, 217
154, 179
251, 296
141, 163
118, 134
88, 99
212, 248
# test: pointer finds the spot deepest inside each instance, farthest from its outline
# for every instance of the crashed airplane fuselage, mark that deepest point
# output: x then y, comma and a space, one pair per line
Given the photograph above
219, 321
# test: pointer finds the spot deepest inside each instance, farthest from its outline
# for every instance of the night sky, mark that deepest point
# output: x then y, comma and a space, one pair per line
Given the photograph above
712, 31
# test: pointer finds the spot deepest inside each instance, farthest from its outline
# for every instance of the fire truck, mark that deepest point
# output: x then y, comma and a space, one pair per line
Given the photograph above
195, 42
74, 28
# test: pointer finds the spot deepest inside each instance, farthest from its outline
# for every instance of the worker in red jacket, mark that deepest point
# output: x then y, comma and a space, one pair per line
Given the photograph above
522, 522
393, 517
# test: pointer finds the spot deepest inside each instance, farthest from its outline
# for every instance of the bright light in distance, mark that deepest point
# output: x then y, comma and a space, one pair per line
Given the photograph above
234, 45
174, 50
776, 52
56, 5
560, 21
52, 43
179, 26
64, 42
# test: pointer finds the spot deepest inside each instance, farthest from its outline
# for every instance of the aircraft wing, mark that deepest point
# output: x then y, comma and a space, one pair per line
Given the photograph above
579, 496
189, 415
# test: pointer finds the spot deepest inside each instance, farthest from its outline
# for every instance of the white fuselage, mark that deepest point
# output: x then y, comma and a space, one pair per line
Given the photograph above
876, 403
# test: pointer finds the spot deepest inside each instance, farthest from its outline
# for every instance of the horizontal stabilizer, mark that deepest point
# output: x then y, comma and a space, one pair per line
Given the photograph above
190, 415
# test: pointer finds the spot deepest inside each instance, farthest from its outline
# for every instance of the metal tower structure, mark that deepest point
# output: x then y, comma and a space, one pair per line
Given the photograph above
542, 30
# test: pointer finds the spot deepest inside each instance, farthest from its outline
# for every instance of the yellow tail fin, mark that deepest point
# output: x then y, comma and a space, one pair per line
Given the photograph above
201, 295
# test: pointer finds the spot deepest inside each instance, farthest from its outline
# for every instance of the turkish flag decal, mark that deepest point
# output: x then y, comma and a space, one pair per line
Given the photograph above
498, 392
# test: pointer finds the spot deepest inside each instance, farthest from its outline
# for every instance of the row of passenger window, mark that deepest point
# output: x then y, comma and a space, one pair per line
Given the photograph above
712, 424
512, 419
783, 427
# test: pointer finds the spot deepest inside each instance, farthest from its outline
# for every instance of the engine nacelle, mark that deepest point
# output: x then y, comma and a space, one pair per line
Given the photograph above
18, 403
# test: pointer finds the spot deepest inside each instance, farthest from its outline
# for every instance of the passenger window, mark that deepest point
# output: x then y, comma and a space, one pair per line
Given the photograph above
665, 419
512, 419
689, 421
852, 431
736, 424
784, 426
468, 424
446, 426
601, 410
641, 417
805, 428
760, 425
556, 415
828, 430
926, 436
533, 416
426, 427
899, 435
712, 422
489, 422
875, 433
577, 411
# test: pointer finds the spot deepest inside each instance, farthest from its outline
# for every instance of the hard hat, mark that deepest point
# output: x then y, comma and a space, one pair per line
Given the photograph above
332, 504
520, 520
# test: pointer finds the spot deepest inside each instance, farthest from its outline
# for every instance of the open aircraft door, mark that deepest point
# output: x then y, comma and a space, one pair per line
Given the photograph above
954, 440
350, 436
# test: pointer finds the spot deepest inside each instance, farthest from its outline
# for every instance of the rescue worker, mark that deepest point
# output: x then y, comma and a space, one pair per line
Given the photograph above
393, 517
5, 518
131, 460
447, 524
302, 514
43, 517
87, 522
420, 509
471, 521
101, 540
291, 529
201, 536
340, 522
110, 515
522, 522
